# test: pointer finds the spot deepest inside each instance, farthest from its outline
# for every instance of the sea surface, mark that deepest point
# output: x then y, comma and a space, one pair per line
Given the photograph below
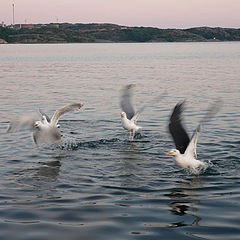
98, 185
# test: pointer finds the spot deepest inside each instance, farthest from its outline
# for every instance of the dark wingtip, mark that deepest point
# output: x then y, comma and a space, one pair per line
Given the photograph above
198, 128
132, 85
177, 111
9, 129
181, 104
128, 86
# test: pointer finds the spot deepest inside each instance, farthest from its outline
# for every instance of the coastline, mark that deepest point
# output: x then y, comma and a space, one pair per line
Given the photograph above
110, 33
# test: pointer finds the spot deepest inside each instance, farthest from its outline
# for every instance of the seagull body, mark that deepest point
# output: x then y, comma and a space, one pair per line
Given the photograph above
184, 161
130, 125
129, 115
185, 154
188, 159
45, 130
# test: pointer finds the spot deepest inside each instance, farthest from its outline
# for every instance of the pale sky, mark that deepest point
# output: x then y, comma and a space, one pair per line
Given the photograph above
155, 13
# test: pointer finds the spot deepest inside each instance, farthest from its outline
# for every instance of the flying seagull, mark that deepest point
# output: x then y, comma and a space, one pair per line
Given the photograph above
45, 130
129, 115
185, 153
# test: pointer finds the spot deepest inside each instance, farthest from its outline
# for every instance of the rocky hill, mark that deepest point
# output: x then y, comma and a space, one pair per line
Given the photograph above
85, 33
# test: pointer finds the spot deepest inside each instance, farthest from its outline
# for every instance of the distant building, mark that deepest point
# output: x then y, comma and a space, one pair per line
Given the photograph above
18, 26
27, 25
53, 25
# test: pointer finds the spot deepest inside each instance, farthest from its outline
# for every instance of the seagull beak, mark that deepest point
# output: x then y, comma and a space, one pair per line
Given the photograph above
121, 115
169, 153
35, 125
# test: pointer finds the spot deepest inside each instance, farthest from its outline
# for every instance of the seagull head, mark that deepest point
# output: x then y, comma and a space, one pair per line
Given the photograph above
37, 124
173, 152
123, 115
42, 124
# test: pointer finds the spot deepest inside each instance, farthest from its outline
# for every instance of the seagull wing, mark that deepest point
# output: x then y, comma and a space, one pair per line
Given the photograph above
176, 129
44, 114
63, 110
25, 122
126, 101
137, 115
153, 101
192, 146
212, 111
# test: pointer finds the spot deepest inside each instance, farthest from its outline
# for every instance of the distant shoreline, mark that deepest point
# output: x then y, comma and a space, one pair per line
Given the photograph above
110, 33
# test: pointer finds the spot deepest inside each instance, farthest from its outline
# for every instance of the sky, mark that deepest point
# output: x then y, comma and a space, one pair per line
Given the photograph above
152, 13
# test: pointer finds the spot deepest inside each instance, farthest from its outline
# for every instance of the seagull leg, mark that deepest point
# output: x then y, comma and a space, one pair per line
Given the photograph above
133, 134
130, 137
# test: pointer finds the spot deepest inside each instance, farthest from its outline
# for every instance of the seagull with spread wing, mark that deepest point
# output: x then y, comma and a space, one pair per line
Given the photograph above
185, 153
45, 130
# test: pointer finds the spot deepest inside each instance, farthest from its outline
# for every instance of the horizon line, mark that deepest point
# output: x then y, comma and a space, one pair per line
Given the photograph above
202, 26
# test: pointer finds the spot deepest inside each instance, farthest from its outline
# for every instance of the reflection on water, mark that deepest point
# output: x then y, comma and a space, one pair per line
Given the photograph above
49, 172
49, 168
185, 200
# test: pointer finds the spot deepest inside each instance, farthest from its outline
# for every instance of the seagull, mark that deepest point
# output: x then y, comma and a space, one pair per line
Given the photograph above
185, 153
130, 125
129, 115
45, 130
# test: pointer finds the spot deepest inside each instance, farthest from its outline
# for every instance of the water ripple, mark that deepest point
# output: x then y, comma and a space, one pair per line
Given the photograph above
98, 184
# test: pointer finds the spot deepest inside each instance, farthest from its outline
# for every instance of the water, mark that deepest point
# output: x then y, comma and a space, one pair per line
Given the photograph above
99, 185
